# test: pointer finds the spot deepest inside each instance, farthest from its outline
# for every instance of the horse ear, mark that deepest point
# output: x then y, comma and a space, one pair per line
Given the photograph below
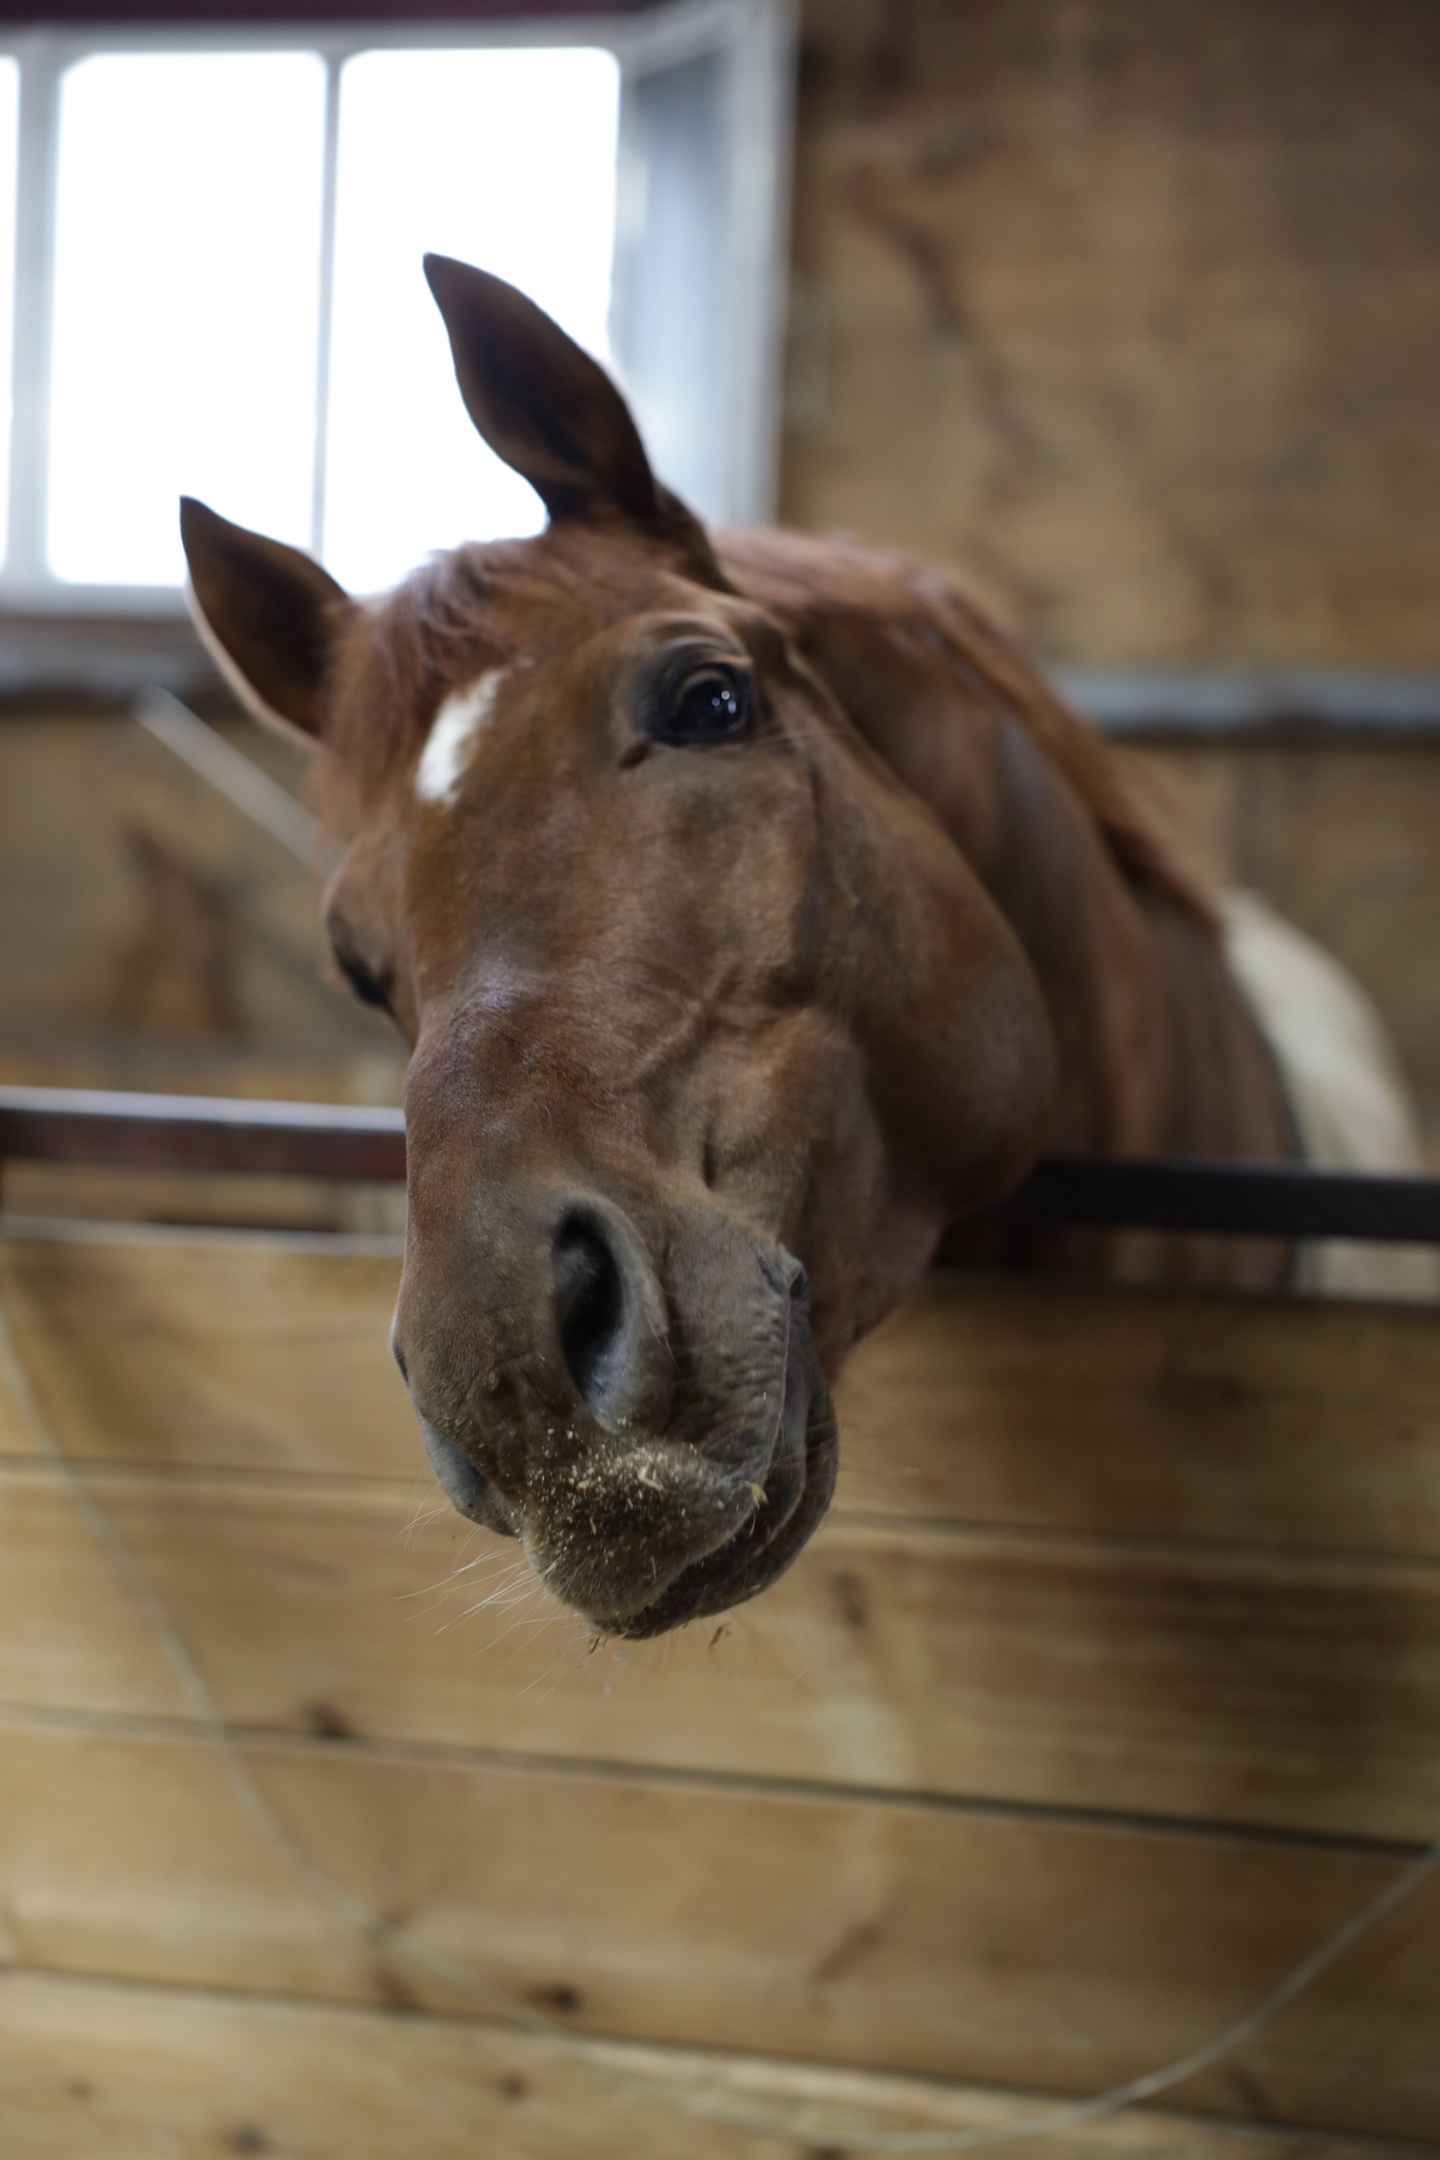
542, 404
267, 613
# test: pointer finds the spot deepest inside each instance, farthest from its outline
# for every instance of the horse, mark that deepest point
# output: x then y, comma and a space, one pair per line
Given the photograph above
754, 910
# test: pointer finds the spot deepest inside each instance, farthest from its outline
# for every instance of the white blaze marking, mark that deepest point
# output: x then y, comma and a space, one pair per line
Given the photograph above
462, 716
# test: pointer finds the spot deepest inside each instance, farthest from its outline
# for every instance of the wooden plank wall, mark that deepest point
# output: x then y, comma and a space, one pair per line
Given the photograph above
150, 921
1133, 311
156, 938
1107, 1691
1339, 836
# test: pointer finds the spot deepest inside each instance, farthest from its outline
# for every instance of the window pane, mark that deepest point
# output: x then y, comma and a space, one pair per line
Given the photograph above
505, 159
187, 254
9, 132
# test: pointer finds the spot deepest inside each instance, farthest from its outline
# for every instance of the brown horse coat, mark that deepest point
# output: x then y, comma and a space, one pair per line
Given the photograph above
754, 910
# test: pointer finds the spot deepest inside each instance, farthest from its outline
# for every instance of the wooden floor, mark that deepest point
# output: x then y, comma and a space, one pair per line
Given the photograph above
1111, 1687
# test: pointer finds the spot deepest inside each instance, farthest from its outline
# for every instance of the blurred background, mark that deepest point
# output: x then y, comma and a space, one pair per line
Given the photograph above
1131, 314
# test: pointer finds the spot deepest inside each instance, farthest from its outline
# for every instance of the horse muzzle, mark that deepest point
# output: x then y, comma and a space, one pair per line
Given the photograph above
662, 1448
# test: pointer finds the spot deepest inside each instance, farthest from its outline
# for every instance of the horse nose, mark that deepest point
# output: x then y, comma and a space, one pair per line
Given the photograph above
610, 1312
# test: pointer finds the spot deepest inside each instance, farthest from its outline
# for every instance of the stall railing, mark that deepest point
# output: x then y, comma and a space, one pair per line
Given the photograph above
351, 1142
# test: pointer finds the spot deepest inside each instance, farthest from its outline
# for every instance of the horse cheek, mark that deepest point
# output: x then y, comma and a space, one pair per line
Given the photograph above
962, 1062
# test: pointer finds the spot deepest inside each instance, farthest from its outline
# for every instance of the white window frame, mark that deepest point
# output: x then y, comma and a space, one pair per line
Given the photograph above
734, 253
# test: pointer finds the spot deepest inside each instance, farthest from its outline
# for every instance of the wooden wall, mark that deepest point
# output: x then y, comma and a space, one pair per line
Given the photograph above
152, 936
1342, 838
1107, 1691
1135, 310
145, 918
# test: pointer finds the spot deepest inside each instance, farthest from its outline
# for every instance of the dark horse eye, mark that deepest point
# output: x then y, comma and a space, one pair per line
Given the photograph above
360, 979
713, 705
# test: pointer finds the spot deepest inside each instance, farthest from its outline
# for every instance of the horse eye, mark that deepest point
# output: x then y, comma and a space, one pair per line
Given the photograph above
360, 979
712, 706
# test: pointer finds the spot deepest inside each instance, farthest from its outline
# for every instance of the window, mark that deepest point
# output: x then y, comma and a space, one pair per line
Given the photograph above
505, 159
9, 137
212, 245
183, 323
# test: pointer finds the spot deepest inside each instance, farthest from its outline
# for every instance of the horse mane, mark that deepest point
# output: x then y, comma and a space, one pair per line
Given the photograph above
811, 581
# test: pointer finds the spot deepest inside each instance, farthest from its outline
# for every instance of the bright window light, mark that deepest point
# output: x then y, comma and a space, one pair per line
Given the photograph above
186, 286
505, 159
9, 131
210, 281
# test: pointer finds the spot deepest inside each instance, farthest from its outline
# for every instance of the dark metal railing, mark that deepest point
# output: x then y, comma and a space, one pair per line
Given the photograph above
344, 1141
1235, 1198
201, 1132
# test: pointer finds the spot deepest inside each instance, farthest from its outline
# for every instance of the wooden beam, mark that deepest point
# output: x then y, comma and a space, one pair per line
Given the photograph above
1260, 1421
1142, 1679
931, 1805
1178, 1417
958, 1942
91, 2069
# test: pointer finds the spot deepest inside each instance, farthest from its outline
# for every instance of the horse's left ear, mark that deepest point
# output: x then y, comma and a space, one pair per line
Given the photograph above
550, 411
267, 613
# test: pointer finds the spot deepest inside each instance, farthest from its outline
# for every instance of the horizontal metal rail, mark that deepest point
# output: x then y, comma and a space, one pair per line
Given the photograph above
346, 1141
1238, 1199
201, 1132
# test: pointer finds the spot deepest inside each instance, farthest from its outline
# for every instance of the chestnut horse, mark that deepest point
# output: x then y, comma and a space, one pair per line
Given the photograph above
754, 911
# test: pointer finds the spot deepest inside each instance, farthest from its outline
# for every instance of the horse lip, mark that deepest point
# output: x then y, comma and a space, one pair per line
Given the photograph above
798, 1481
748, 1563
469, 1492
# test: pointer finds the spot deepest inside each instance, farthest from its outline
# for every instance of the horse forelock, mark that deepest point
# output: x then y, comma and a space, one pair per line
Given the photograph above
390, 671
459, 615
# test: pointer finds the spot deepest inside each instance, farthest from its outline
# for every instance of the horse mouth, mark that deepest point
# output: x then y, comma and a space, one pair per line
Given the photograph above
797, 1493
639, 1532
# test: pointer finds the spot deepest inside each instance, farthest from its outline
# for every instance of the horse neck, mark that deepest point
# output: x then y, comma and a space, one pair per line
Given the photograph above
1156, 1052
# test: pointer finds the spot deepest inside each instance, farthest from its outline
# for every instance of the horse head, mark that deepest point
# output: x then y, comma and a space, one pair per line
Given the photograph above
713, 1027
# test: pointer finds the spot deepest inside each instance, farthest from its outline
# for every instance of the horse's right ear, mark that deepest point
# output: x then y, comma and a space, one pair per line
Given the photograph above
553, 414
267, 613
540, 401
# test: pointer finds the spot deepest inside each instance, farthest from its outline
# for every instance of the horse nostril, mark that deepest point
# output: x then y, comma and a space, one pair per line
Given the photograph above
589, 1305
610, 1316
784, 1273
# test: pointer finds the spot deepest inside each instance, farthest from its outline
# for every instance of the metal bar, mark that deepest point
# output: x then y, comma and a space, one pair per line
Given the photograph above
325, 306
336, 1140
1238, 1199
200, 1132
1282, 705
249, 790
35, 206
759, 76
